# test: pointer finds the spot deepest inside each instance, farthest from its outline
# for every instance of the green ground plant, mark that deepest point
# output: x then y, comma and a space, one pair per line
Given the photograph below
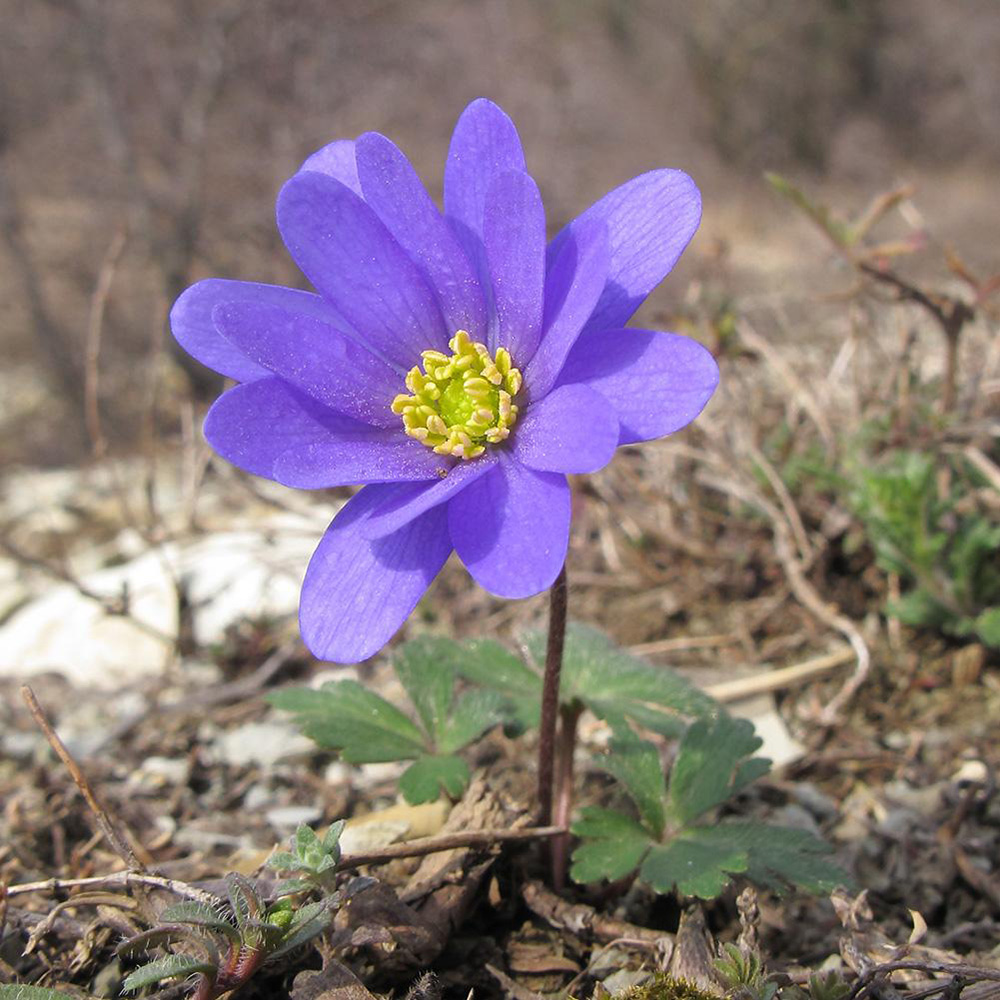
673, 844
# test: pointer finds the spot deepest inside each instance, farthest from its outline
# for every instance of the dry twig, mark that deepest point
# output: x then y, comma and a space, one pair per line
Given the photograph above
118, 843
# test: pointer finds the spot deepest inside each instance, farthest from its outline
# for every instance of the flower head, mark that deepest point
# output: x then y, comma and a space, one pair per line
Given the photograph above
454, 363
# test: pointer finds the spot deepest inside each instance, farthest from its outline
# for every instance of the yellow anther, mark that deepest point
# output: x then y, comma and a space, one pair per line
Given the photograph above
461, 403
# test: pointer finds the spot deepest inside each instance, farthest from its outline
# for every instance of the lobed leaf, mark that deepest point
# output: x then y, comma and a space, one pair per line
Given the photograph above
636, 764
710, 766
495, 668
345, 716
472, 715
695, 867
613, 845
777, 857
425, 668
616, 685
428, 776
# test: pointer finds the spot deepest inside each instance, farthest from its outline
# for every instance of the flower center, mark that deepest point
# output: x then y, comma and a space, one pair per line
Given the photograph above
460, 403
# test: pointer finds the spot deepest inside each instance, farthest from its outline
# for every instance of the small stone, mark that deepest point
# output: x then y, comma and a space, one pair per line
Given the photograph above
257, 797
263, 744
360, 839
810, 797
167, 770
286, 819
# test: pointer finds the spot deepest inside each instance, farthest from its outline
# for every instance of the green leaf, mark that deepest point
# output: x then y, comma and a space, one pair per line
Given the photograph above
613, 683
427, 777
495, 668
171, 967
777, 856
345, 716
244, 899
292, 886
488, 663
636, 764
613, 845
918, 608
199, 915
472, 715
306, 841
331, 839
283, 861
309, 922
425, 669
987, 626
696, 868
709, 765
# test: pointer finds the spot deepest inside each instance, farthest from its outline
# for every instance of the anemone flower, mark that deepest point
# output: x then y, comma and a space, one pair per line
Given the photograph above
453, 362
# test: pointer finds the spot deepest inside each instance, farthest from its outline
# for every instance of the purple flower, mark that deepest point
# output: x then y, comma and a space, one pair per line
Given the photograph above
454, 363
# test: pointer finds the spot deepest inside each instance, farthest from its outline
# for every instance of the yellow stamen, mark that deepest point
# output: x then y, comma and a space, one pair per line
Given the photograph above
459, 404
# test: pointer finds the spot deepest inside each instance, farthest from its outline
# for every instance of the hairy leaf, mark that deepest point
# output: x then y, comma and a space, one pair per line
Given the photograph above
696, 868
19, 991
331, 839
777, 856
200, 915
344, 716
613, 846
636, 764
244, 899
171, 967
428, 776
309, 922
613, 684
710, 766
425, 668
473, 713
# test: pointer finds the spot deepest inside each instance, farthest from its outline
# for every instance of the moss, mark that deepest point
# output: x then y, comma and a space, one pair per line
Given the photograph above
664, 987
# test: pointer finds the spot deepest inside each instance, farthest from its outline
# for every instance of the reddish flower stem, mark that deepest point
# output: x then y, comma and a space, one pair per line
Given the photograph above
550, 697
569, 716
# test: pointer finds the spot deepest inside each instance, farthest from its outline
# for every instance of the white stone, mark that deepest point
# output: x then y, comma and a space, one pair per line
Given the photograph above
263, 744
243, 574
286, 819
374, 834
67, 632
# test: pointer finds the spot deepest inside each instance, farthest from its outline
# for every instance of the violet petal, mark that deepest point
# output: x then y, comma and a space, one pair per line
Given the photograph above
406, 506
485, 143
337, 160
192, 324
346, 251
511, 528
397, 195
316, 358
514, 238
272, 429
573, 285
656, 382
573, 429
357, 592
650, 221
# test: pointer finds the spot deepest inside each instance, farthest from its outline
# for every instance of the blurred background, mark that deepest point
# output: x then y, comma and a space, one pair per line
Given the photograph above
834, 511
142, 143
